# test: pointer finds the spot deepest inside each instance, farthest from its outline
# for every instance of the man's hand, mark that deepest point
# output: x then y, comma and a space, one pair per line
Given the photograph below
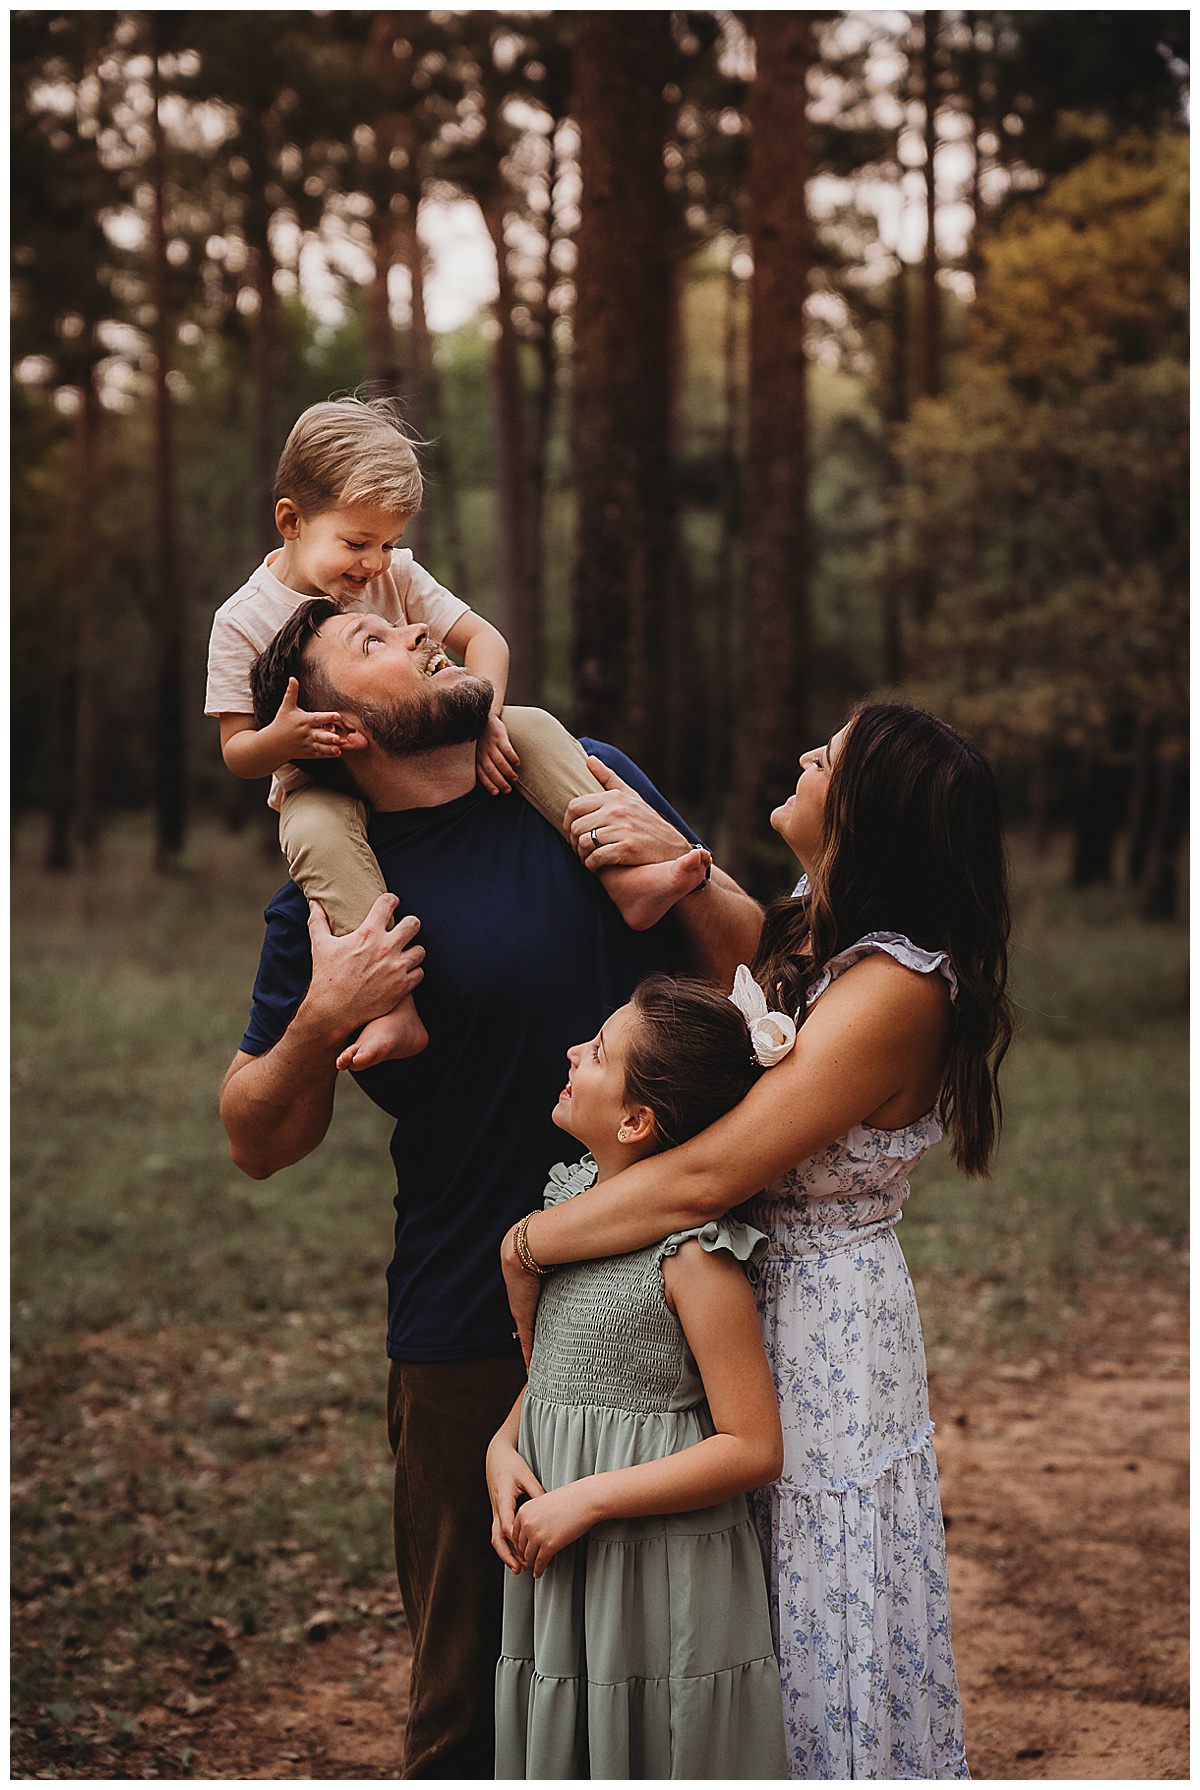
509, 1479
628, 830
365, 973
496, 761
546, 1525
522, 1288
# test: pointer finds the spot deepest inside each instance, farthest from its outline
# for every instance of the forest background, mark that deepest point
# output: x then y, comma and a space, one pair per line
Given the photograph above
819, 354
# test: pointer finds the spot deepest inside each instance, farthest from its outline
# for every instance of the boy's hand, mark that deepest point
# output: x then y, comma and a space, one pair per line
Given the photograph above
546, 1525
509, 1478
496, 761
302, 733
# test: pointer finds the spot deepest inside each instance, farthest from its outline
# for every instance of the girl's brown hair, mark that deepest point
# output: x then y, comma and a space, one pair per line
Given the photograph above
688, 1058
913, 843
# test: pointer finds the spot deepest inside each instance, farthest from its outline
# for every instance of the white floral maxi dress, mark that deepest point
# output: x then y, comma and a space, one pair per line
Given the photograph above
852, 1531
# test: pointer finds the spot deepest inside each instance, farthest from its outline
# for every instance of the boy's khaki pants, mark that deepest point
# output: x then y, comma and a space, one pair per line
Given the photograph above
441, 1418
323, 833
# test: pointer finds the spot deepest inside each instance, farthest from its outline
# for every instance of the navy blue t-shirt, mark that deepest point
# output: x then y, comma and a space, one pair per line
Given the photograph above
524, 955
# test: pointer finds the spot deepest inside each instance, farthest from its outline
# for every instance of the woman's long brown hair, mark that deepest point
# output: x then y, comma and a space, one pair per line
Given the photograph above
913, 843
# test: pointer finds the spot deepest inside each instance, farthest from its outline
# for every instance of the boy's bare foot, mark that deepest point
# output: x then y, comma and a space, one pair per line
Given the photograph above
399, 1033
643, 893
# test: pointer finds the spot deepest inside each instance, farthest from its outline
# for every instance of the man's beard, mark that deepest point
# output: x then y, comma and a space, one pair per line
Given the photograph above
441, 717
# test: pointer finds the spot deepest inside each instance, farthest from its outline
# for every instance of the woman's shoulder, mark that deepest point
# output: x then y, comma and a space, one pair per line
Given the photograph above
890, 960
892, 996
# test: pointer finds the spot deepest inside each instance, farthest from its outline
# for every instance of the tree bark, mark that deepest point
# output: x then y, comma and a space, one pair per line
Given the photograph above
170, 769
931, 369
773, 722
896, 414
520, 617
84, 582
621, 389
1160, 899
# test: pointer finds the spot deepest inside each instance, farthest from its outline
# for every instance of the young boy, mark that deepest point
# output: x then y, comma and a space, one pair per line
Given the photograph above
347, 485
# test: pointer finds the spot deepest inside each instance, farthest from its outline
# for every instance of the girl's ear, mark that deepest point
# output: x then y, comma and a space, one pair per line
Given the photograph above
637, 1126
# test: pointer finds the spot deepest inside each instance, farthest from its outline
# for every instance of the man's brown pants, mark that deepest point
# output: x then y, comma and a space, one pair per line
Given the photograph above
441, 1417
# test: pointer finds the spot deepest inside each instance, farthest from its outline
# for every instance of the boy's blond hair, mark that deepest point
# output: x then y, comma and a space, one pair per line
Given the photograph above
350, 451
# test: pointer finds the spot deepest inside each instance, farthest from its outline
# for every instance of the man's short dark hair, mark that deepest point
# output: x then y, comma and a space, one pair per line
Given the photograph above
286, 657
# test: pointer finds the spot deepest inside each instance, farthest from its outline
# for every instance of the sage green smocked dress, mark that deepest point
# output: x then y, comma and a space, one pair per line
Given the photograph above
645, 1650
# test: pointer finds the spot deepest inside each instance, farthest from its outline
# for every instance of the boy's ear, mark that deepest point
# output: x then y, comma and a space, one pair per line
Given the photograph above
287, 518
637, 1126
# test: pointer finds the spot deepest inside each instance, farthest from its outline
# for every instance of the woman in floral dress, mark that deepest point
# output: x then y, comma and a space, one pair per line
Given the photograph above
891, 954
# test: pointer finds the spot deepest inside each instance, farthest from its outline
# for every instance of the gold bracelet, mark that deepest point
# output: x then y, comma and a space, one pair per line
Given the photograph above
524, 1254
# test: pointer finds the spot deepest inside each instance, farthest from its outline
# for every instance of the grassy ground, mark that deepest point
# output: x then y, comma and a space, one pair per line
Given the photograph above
200, 1477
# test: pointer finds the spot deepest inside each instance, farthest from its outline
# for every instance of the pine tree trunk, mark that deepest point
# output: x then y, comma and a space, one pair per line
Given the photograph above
1160, 900
726, 600
265, 345
896, 414
84, 586
519, 622
621, 385
382, 358
772, 725
931, 346
170, 769
419, 534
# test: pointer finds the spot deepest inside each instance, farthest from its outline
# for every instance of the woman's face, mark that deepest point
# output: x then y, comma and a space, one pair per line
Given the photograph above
800, 821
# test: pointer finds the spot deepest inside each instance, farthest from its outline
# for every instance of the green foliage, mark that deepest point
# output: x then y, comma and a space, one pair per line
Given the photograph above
1093, 274
1048, 496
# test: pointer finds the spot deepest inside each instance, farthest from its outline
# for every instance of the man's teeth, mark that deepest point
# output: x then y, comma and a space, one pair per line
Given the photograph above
438, 662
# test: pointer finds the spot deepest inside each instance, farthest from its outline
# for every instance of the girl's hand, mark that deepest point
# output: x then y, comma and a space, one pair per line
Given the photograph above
303, 733
509, 1478
522, 1289
546, 1525
496, 761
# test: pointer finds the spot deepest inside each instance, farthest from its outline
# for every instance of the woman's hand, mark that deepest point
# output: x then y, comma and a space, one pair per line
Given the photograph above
546, 1525
522, 1288
632, 832
509, 1479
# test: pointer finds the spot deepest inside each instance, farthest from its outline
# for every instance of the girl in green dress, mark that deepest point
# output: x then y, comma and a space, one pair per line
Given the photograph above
637, 1640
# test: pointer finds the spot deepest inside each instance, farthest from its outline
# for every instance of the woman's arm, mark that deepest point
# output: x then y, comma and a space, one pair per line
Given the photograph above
878, 1033
712, 1296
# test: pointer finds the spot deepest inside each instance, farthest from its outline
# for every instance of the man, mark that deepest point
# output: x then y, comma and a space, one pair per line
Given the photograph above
521, 955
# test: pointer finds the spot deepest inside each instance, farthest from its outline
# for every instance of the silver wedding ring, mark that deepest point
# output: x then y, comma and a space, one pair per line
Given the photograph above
595, 841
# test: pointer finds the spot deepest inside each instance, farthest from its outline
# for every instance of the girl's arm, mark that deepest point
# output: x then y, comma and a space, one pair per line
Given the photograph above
712, 1296
484, 651
875, 1041
509, 1478
252, 751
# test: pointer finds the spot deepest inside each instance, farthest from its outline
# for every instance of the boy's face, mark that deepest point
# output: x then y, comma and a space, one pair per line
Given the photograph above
338, 552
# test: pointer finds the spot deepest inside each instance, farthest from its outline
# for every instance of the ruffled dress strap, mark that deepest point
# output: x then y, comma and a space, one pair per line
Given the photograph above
894, 944
741, 1241
569, 1178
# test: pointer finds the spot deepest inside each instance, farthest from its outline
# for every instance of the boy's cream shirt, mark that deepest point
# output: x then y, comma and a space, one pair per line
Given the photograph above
250, 619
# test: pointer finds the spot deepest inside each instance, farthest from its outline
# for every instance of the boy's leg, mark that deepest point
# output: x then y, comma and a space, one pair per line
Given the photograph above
553, 771
553, 763
323, 835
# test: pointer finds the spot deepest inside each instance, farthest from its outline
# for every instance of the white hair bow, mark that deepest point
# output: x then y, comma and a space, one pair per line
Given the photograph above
772, 1035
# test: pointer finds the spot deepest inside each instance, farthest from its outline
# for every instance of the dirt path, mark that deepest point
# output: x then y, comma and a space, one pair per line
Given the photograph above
1066, 1503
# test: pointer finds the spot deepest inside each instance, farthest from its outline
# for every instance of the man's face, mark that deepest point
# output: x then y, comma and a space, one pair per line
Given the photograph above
400, 685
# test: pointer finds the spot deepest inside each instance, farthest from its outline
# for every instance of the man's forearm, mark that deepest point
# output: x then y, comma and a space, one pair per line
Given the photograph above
720, 925
276, 1108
